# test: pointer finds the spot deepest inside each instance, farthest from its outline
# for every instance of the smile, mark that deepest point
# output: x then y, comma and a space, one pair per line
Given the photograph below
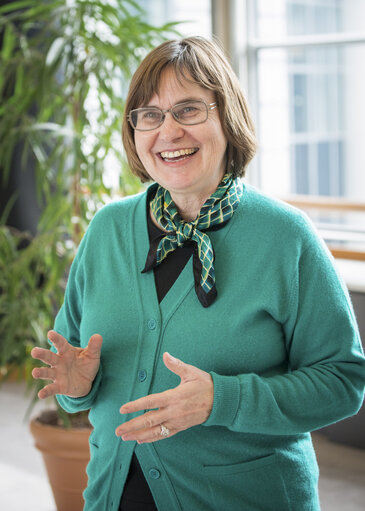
181, 154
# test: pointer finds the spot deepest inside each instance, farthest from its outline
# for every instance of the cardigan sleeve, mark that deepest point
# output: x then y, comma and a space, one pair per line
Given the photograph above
67, 324
326, 377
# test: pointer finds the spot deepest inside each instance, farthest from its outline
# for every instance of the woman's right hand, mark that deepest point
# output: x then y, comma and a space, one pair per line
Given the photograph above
72, 370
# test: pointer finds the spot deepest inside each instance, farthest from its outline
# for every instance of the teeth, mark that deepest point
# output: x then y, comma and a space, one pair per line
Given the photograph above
176, 154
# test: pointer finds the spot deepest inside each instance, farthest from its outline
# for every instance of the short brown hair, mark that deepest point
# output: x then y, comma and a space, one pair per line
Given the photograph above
201, 62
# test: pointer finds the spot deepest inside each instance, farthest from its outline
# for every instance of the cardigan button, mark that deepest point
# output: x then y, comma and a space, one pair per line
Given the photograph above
154, 473
142, 375
151, 323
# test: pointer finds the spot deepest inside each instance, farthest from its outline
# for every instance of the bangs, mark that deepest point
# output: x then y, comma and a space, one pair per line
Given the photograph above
150, 83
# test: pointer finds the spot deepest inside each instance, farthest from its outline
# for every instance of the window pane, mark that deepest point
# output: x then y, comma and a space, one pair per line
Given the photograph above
300, 167
324, 184
196, 16
280, 18
299, 91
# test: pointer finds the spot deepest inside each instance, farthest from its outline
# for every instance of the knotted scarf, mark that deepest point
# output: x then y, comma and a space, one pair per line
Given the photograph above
214, 214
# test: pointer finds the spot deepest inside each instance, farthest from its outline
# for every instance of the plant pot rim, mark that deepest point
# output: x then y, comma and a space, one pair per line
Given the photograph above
37, 423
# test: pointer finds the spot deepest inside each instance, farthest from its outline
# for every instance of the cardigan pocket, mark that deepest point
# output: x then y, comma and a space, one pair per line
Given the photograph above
255, 485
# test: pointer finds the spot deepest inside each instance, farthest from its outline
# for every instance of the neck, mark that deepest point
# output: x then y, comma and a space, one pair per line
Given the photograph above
189, 206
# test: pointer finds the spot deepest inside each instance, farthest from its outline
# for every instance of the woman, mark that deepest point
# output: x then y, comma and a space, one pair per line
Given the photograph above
236, 286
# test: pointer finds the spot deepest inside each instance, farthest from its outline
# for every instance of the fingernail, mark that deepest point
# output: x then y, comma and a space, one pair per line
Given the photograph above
173, 359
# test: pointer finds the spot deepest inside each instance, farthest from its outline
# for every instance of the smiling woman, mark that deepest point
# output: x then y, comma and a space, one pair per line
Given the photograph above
204, 324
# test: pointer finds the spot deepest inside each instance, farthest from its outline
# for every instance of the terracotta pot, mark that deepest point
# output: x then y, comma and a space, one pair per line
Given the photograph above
12, 373
65, 454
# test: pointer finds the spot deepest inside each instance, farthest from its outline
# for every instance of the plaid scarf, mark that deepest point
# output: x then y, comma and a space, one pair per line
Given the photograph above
214, 214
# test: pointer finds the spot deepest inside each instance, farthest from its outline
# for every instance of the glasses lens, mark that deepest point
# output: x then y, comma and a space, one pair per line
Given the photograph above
146, 118
190, 112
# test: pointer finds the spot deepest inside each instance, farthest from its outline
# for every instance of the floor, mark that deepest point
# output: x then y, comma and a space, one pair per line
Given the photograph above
24, 486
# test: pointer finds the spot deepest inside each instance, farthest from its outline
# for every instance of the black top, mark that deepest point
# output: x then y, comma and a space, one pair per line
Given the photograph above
137, 495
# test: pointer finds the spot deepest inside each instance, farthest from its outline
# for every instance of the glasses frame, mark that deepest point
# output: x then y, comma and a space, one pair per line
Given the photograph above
208, 107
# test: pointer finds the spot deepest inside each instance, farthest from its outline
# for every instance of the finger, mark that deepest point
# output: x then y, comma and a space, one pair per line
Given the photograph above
153, 435
146, 421
179, 367
149, 434
148, 402
94, 346
59, 342
44, 373
49, 390
46, 356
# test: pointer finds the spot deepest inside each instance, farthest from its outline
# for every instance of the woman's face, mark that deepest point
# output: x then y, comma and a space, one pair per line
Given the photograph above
198, 173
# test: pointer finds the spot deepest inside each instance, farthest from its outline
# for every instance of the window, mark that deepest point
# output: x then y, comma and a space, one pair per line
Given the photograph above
305, 83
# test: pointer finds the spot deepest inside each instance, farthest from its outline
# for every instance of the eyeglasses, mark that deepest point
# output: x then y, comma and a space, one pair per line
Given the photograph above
188, 113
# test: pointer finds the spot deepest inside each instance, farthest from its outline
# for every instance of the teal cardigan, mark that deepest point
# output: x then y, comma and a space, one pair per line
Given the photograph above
280, 342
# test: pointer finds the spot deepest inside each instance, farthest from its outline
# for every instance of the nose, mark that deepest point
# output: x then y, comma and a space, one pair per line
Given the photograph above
170, 129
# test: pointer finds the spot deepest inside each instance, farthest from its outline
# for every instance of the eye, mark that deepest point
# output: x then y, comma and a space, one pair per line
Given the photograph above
187, 111
151, 115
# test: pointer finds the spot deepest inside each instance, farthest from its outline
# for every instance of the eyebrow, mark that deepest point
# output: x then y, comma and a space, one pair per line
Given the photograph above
185, 100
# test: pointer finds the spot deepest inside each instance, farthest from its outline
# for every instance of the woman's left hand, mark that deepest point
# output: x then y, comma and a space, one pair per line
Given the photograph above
187, 405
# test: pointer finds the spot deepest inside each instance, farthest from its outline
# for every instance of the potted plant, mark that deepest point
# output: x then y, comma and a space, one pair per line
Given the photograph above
65, 65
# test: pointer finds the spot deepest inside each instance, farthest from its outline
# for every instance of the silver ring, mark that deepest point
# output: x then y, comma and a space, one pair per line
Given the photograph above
164, 431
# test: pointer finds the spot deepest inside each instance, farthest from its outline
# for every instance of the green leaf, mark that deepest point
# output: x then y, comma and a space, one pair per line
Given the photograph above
9, 42
16, 6
19, 81
53, 127
55, 50
8, 208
